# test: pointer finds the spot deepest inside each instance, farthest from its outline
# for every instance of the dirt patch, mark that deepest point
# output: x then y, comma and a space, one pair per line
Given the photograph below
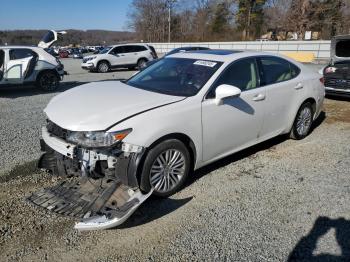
337, 111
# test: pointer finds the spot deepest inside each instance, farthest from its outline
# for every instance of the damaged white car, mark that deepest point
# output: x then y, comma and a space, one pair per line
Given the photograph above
20, 65
128, 140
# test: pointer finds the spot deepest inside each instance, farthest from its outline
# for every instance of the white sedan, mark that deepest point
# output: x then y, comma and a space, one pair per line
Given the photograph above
127, 140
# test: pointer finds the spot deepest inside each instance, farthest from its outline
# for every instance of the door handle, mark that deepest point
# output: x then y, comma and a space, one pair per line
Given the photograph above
299, 86
259, 97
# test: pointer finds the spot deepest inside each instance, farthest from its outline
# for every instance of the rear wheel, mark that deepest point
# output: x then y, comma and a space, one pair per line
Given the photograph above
103, 67
166, 168
303, 122
141, 63
48, 81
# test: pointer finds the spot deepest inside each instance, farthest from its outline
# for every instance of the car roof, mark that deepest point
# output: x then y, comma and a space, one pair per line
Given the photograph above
129, 44
19, 46
222, 55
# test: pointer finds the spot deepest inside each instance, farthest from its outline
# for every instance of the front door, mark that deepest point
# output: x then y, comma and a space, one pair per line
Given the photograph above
236, 123
117, 56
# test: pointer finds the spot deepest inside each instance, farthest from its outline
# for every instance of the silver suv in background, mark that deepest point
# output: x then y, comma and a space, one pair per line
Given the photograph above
21, 65
120, 56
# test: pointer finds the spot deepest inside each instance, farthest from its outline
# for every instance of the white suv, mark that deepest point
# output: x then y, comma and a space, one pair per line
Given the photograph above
29, 64
119, 56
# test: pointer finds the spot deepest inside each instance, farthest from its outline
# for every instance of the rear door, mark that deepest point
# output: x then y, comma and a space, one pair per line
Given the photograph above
134, 52
17, 65
279, 76
2, 64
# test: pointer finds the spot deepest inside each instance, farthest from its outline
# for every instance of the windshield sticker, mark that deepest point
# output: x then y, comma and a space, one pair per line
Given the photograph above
205, 63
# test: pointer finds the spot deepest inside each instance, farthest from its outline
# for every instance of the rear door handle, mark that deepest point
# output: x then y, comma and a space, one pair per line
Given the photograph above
299, 86
259, 97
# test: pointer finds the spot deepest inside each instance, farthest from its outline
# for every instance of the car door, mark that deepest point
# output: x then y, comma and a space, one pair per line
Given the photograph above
2, 64
132, 54
116, 56
282, 87
236, 123
17, 65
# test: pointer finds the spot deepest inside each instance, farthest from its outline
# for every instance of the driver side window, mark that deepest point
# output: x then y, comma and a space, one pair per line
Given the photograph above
242, 74
117, 50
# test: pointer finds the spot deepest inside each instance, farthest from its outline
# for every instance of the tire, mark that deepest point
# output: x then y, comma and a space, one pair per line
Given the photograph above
48, 81
166, 177
141, 63
303, 122
103, 67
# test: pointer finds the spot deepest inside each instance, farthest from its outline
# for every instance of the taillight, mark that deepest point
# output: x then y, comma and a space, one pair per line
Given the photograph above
322, 80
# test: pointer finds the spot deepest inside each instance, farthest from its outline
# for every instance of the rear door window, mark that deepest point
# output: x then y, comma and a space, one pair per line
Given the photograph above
20, 53
276, 70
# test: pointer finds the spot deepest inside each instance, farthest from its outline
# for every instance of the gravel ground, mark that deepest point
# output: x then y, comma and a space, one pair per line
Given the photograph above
278, 199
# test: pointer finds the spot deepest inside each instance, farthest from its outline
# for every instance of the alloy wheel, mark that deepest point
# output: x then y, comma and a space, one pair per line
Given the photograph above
167, 170
304, 121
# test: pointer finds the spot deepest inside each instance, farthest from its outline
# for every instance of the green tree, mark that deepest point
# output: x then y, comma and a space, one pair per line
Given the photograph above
250, 17
221, 18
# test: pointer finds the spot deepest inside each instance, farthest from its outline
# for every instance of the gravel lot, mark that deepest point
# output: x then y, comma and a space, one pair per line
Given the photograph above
278, 199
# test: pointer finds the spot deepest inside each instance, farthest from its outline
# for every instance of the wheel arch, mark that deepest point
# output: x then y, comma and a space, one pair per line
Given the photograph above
294, 114
103, 60
142, 58
47, 70
185, 139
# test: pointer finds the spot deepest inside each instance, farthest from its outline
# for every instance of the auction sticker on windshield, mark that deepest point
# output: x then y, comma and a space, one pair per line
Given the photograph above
205, 63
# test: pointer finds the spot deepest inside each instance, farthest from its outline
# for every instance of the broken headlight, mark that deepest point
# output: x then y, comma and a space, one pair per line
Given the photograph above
97, 138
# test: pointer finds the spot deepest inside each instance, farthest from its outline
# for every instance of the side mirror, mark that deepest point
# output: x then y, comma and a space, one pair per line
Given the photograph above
224, 91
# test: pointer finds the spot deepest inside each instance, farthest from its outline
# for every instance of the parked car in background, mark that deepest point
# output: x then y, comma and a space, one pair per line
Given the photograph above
337, 73
28, 64
83, 50
98, 49
174, 51
119, 56
144, 136
76, 54
63, 53
51, 51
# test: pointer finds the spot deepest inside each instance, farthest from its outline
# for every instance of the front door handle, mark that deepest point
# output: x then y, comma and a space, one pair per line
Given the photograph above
259, 97
299, 86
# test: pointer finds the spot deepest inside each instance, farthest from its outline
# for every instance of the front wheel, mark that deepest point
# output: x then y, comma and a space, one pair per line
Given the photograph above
48, 81
303, 122
103, 67
166, 168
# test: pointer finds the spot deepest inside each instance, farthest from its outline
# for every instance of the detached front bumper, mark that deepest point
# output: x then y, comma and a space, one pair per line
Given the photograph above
101, 188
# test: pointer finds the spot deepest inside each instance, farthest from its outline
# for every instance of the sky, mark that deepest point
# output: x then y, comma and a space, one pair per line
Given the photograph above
64, 14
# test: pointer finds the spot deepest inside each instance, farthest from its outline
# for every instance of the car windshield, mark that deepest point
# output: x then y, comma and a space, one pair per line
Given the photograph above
175, 76
105, 50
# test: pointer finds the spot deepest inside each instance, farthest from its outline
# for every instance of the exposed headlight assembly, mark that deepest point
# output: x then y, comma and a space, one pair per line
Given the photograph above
97, 139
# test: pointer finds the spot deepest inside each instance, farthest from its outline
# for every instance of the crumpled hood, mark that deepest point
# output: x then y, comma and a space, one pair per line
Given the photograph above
100, 105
